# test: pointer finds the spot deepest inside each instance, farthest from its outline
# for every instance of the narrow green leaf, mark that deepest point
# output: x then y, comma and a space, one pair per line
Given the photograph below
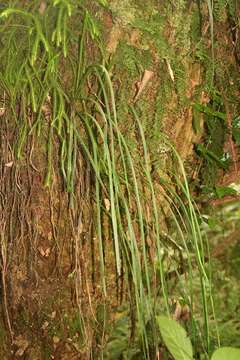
175, 338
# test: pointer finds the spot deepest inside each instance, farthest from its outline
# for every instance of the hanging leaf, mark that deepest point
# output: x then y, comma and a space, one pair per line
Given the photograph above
228, 353
175, 338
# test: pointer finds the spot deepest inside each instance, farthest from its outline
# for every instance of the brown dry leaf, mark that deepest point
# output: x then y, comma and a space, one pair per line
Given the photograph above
56, 339
170, 70
44, 253
42, 7
9, 164
107, 204
148, 74
47, 252
53, 314
2, 111
185, 315
177, 312
205, 99
81, 228
134, 37
113, 39
22, 345
45, 325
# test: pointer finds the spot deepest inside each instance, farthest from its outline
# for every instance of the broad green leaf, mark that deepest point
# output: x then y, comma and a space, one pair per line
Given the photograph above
222, 191
227, 353
175, 338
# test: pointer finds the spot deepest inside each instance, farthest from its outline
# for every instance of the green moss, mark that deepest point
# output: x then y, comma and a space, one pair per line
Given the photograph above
219, 10
195, 26
181, 81
232, 8
152, 28
123, 11
164, 96
129, 58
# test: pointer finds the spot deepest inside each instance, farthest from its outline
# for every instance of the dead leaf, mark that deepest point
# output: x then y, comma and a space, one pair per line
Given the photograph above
107, 204
81, 228
9, 164
56, 339
185, 315
2, 111
148, 74
45, 325
177, 312
42, 7
47, 252
53, 314
44, 253
170, 70
113, 40
22, 345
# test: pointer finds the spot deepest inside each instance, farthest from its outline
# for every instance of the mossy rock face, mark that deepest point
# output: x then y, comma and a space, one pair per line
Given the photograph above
160, 38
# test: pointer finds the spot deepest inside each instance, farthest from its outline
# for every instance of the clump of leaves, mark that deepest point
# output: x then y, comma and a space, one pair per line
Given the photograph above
179, 344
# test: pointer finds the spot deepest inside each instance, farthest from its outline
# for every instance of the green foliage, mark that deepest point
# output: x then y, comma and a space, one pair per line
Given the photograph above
219, 9
226, 353
232, 7
209, 111
213, 150
131, 59
195, 32
180, 347
118, 345
103, 2
124, 12
222, 228
210, 157
236, 130
152, 28
74, 109
75, 325
175, 338
222, 191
